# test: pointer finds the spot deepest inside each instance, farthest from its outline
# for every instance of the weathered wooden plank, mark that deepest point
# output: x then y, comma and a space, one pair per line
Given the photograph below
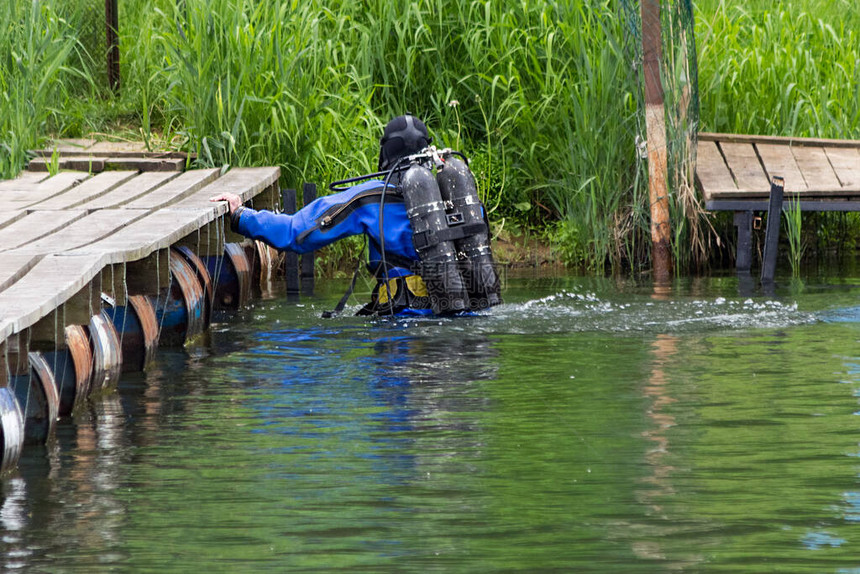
176, 190
711, 170
756, 139
70, 144
745, 166
779, 162
24, 188
130, 190
10, 216
50, 283
114, 153
99, 164
816, 168
846, 164
88, 164
245, 182
158, 230
13, 266
83, 231
109, 147
27, 178
86, 191
35, 226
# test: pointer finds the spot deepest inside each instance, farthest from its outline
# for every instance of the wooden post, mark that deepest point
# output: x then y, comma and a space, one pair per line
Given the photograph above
112, 33
743, 259
771, 233
291, 261
309, 193
655, 125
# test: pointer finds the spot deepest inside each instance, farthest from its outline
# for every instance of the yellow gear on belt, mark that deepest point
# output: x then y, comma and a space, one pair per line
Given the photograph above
414, 283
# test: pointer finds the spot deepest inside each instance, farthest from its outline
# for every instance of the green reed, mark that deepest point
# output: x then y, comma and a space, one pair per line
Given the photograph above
36, 44
793, 218
542, 96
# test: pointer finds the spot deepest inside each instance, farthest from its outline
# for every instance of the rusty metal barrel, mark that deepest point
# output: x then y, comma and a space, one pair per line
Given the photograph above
107, 353
231, 274
12, 428
72, 367
137, 328
181, 308
205, 280
37, 397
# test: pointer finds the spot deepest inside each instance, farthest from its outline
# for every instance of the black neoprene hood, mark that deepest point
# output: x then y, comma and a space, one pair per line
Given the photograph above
403, 136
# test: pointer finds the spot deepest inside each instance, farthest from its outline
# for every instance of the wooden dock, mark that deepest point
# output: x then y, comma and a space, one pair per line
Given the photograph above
98, 267
748, 174
734, 172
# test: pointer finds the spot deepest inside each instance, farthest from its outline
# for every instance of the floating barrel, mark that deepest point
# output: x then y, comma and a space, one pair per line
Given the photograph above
12, 427
263, 262
137, 328
107, 352
202, 276
232, 276
37, 397
72, 367
180, 311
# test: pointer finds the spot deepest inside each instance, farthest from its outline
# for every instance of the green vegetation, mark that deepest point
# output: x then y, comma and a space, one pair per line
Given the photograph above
542, 96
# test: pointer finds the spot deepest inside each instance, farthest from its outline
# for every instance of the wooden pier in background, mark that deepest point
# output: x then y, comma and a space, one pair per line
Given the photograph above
101, 262
737, 172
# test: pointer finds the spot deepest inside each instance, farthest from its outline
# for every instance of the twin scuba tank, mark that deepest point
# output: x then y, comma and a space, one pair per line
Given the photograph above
451, 235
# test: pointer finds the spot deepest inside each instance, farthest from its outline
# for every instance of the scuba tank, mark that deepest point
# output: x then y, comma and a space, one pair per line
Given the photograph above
460, 194
439, 266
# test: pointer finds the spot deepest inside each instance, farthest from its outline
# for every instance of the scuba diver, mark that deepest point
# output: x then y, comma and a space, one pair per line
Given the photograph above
426, 228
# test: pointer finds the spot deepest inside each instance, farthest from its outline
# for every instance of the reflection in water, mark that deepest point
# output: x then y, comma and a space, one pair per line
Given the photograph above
572, 429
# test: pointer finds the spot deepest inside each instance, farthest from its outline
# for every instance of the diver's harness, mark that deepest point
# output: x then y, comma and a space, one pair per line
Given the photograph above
450, 233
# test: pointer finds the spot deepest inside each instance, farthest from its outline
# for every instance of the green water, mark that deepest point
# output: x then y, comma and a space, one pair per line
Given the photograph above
585, 426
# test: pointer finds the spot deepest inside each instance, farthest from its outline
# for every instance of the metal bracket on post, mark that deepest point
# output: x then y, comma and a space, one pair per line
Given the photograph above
771, 234
291, 260
309, 193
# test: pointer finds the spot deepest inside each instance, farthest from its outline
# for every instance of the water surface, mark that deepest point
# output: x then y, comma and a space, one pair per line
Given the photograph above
586, 425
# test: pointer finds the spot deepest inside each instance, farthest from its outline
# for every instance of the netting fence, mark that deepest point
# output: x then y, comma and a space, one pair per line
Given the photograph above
692, 233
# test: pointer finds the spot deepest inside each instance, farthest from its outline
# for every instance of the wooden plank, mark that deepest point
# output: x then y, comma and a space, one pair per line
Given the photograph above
815, 166
130, 190
25, 177
36, 226
711, 170
13, 266
84, 231
156, 231
50, 283
70, 144
779, 162
94, 187
846, 164
114, 153
94, 164
176, 190
44, 187
744, 164
756, 139
245, 182
87, 164
108, 147
11, 216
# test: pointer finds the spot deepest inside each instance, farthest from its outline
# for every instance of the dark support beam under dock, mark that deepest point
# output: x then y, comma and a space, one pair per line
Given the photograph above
771, 236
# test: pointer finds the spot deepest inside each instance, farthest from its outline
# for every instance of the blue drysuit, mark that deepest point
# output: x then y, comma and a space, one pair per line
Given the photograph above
333, 217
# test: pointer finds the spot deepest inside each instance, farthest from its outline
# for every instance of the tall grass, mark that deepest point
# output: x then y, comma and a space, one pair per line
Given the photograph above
35, 44
541, 95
